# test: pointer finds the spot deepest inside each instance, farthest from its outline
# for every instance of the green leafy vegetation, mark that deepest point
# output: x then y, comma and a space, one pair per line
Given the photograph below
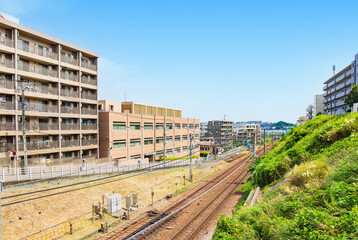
352, 97
316, 168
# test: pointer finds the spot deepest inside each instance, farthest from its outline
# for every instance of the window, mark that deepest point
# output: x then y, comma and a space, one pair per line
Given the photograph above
185, 148
135, 142
137, 156
159, 154
148, 141
196, 135
159, 140
111, 107
184, 137
148, 126
159, 126
134, 126
177, 150
196, 126
169, 139
119, 126
185, 126
191, 126
177, 138
169, 126
119, 144
177, 126
169, 152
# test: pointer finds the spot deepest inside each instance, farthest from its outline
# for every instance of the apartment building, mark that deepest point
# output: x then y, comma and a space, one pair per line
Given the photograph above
132, 131
221, 132
60, 103
337, 88
248, 133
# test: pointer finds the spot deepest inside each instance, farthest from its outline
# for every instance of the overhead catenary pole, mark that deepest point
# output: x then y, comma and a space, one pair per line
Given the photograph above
191, 156
164, 138
0, 211
264, 141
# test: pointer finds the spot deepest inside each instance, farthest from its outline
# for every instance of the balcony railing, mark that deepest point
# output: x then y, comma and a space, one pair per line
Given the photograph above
7, 147
67, 93
7, 105
73, 110
72, 77
40, 107
89, 80
89, 142
89, 96
36, 69
7, 83
39, 145
6, 63
70, 126
7, 126
89, 126
43, 52
89, 111
39, 126
40, 89
70, 60
89, 65
70, 143
6, 41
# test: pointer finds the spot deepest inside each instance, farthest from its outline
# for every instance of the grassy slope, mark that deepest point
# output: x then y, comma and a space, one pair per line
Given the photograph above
319, 200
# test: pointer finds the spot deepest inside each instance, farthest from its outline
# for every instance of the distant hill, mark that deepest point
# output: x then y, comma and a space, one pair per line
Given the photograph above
282, 125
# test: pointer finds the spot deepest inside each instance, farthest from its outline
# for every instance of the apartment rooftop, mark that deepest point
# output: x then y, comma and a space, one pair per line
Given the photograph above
35, 34
137, 108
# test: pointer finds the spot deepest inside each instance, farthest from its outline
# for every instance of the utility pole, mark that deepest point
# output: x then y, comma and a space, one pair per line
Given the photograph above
191, 156
0, 211
22, 89
254, 147
164, 138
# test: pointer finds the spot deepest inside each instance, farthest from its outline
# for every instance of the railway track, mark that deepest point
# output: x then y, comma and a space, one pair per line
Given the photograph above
212, 193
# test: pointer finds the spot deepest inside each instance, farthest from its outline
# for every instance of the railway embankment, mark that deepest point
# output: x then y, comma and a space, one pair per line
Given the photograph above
308, 183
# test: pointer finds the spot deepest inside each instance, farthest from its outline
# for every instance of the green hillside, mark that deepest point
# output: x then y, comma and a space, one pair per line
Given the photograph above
316, 167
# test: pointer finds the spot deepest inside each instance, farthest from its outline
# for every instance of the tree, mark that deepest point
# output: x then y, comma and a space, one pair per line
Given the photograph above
309, 112
352, 97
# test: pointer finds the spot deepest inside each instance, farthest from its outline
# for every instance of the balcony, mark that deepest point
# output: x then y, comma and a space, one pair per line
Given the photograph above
23, 66
40, 107
89, 96
9, 63
68, 109
7, 147
39, 145
89, 126
325, 94
7, 83
7, 126
70, 143
68, 93
89, 65
70, 60
325, 87
35, 88
40, 51
7, 41
70, 126
89, 142
89, 111
89, 80
39, 126
68, 76
7, 105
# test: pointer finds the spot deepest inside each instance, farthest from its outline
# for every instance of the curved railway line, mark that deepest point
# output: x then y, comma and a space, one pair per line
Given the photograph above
201, 204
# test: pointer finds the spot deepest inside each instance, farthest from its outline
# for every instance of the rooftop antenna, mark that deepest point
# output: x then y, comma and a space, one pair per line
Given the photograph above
125, 96
334, 70
224, 117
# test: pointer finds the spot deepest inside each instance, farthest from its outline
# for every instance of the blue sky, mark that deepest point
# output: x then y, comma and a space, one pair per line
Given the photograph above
250, 60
